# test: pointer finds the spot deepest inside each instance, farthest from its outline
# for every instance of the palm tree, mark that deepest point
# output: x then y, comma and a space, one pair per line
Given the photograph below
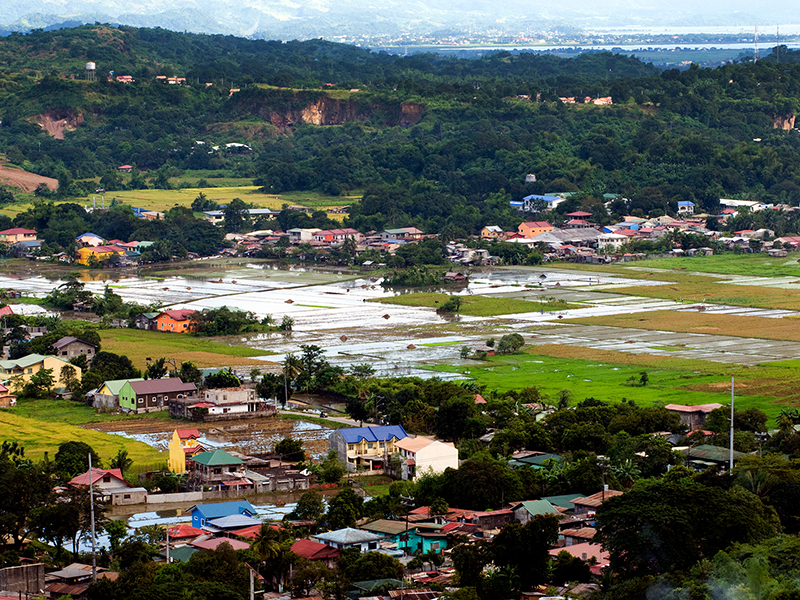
121, 461
292, 367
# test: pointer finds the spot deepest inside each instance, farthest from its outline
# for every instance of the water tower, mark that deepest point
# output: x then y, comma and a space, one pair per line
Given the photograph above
91, 69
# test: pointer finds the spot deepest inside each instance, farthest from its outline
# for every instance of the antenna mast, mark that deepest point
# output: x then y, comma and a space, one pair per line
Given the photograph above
755, 58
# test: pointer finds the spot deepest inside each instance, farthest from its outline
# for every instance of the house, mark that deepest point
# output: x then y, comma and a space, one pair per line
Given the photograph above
69, 347
589, 504
109, 485
685, 207
490, 519
176, 321
214, 543
182, 445
125, 168
7, 399
704, 456
90, 254
146, 320
491, 232
366, 447
224, 403
153, 394
107, 395
348, 537
533, 228
586, 551
577, 536
526, 511
311, 550
17, 234
73, 580
27, 366
89, 239
425, 455
410, 537
693, 417
217, 470
202, 513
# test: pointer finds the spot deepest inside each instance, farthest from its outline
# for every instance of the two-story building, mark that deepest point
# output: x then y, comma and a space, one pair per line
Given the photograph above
184, 444
17, 234
366, 447
153, 394
69, 347
531, 229
176, 321
222, 403
424, 455
98, 253
216, 470
20, 370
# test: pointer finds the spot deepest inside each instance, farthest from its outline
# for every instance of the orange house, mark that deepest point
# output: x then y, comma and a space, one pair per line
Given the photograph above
534, 228
18, 234
176, 321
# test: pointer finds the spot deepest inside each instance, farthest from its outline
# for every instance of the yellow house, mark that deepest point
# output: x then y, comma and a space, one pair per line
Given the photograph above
366, 447
19, 371
100, 253
491, 232
184, 443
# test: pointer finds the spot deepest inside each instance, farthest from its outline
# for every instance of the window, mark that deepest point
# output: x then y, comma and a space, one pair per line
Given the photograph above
126, 497
217, 471
351, 447
371, 445
372, 545
141, 400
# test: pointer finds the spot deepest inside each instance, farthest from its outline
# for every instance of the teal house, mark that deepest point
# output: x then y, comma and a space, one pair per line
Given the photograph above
421, 537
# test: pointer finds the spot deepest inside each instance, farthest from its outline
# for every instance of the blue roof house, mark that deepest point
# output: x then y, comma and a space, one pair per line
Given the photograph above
203, 513
366, 447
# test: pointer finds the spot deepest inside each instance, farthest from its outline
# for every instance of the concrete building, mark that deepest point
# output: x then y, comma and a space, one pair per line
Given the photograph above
69, 347
350, 538
216, 470
27, 366
693, 417
223, 403
366, 447
423, 455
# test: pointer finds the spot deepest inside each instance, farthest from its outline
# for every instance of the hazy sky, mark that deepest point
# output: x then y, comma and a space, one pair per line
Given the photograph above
245, 17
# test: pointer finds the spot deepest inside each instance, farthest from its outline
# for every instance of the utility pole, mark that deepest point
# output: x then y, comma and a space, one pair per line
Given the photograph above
91, 509
731, 456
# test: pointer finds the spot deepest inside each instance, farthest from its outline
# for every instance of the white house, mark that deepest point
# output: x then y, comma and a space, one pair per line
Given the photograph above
350, 538
422, 453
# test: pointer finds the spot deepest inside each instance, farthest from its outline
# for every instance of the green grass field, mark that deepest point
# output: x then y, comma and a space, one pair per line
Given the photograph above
476, 306
227, 190
671, 380
40, 425
759, 265
138, 344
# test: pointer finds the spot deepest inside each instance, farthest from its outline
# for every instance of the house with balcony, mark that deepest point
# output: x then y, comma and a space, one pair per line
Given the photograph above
17, 234
216, 470
366, 447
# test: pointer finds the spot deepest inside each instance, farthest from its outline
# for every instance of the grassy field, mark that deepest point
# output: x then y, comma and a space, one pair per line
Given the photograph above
748, 265
695, 286
476, 306
138, 344
161, 200
701, 322
606, 375
41, 425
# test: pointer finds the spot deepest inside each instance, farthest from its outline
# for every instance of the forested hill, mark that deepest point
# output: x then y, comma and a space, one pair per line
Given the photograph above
439, 143
146, 53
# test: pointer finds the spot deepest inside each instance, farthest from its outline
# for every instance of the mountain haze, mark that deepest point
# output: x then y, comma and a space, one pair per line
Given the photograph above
288, 19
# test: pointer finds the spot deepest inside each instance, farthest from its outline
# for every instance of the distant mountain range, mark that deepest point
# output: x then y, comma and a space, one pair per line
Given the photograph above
290, 19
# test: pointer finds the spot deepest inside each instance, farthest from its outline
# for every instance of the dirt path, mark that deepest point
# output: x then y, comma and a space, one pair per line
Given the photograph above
23, 180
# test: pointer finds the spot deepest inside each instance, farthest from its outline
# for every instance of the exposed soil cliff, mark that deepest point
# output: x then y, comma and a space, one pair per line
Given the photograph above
785, 123
285, 110
56, 123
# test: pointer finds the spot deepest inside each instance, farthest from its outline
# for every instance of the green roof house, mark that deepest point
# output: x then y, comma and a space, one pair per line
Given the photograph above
217, 470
